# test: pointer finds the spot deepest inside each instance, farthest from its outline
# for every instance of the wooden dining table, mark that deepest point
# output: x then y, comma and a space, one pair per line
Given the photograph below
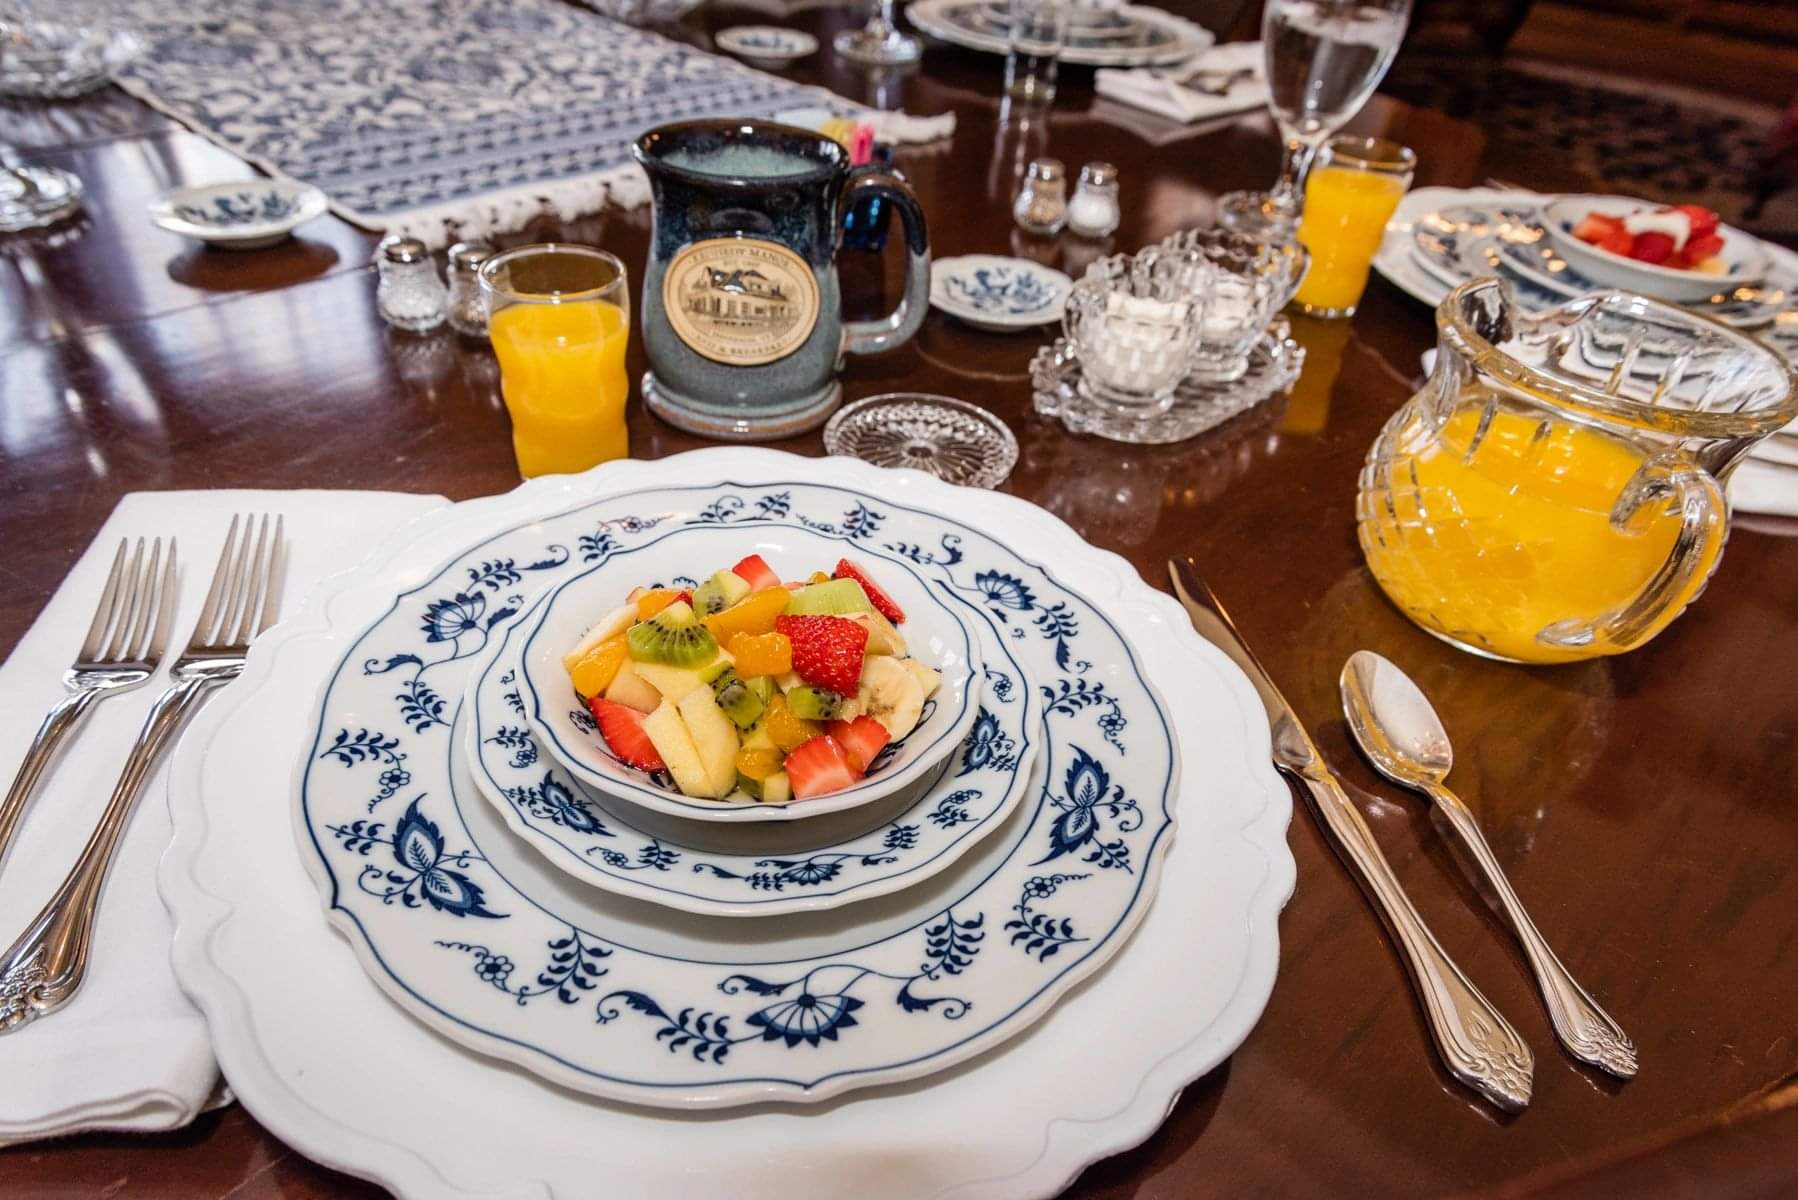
1644, 805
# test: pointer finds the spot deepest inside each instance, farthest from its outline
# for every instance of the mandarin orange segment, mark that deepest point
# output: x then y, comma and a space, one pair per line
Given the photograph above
759, 764
593, 674
654, 601
761, 653
787, 730
818, 577
753, 614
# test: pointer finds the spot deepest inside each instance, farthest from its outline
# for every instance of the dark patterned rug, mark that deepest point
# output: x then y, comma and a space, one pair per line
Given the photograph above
1667, 144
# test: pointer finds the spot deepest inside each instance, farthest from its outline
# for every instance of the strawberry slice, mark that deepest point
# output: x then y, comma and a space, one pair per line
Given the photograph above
1652, 247
883, 603
1704, 221
861, 739
1702, 247
827, 651
622, 728
819, 766
756, 572
1618, 241
1595, 227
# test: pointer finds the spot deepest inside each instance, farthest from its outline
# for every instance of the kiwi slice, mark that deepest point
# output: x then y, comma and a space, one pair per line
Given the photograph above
763, 687
733, 695
673, 637
719, 592
814, 703
833, 598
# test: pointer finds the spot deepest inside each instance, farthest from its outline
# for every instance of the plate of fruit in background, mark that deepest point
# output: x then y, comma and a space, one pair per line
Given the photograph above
791, 684
1670, 252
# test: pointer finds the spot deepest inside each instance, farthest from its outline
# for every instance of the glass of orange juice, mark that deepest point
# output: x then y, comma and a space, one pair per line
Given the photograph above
1350, 192
559, 317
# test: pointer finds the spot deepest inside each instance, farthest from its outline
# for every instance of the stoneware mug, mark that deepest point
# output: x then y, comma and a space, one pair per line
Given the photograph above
742, 318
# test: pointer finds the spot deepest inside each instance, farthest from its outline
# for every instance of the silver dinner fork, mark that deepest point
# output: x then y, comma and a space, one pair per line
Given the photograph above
121, 651
44, 968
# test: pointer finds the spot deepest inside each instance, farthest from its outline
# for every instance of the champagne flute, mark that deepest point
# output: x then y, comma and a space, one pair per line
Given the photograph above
879, 43
1324, 59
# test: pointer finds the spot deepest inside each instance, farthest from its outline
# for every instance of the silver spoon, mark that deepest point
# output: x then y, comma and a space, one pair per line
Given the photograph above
1403, 738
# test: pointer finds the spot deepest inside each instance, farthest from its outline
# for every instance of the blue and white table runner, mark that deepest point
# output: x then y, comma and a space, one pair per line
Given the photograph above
408, 113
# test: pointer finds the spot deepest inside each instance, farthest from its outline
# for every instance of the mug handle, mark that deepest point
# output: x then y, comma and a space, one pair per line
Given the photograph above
1704, 524
896, 328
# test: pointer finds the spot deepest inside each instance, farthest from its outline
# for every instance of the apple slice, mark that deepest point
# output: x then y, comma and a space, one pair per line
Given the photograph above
609, 627
668, 734
631, 690
675, 682
714, 737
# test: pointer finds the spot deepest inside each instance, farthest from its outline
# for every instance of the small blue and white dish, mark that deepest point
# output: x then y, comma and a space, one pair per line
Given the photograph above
247, 215
990, 291
766, 43
1744, 260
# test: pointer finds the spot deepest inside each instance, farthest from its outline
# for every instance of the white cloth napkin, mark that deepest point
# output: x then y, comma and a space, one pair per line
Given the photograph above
129, 1052
1144, 87
1765, 482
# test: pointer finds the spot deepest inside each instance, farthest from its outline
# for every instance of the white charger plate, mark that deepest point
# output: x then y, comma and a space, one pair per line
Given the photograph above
746, 870
311, 1049
937, 631
1149, 36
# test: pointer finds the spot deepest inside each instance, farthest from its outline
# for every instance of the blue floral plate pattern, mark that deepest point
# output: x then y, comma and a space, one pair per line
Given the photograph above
619, 848
998, 293
472, 932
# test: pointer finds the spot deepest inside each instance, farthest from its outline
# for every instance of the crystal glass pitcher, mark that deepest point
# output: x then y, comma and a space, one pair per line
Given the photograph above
1554, 492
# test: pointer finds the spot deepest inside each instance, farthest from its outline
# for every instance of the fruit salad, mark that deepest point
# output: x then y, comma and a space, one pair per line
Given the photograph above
1683, 236
745, 684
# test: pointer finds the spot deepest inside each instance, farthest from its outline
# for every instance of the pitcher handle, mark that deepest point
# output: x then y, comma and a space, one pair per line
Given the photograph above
896, 328
1704, 524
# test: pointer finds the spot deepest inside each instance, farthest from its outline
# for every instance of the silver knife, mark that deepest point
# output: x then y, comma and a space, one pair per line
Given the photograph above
1478, 1045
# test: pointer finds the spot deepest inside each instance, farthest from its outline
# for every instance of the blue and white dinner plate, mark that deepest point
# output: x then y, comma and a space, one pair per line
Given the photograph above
1001, 294
753, 870
473, 932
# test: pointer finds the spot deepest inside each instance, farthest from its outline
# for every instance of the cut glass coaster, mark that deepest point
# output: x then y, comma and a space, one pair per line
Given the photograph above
888, 48
32, 197
1274, 364
953, 440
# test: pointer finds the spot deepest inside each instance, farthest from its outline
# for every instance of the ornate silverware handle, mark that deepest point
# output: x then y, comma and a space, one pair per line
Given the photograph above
57, 723
1477, 1044
46, 965
1584, 1028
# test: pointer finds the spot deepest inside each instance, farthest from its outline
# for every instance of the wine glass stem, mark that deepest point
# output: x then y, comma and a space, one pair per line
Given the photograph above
881, 22
1294, 163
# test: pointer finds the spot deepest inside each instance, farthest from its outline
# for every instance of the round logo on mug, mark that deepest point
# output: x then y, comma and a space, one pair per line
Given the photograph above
740, 301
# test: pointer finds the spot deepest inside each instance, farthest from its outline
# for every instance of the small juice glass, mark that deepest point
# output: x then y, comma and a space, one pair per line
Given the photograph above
1350, 193
559, 318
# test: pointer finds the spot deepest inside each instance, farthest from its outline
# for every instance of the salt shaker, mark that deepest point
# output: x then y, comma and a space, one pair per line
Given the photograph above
467, 309
1094, 212
1042, 203
409, 295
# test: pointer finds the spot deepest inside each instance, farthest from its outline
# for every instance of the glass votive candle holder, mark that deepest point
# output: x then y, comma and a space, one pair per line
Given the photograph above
1252, 280
1134, 323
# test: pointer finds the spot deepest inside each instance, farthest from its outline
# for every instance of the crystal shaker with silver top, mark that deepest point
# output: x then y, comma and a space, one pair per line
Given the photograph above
410, 295
467, 308
1042, 202
1094, 211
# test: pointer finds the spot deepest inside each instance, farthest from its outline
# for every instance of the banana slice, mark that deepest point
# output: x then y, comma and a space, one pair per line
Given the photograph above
891, 695
928, 677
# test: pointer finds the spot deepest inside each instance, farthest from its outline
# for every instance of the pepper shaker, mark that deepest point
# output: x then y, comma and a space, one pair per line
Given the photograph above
1042, 203
467, 308
409, 295
1094, 210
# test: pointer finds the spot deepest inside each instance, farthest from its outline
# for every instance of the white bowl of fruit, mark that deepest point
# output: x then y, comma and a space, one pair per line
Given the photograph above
1670, 252
787, 685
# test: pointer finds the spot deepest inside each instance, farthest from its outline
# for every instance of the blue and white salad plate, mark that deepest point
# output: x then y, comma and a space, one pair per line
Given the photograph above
752, 870
938, 631
474, 933
339, 1068
247, 215
992, 292
771, 44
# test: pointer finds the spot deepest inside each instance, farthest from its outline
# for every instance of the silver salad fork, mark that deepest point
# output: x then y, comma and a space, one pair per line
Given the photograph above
44, 968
